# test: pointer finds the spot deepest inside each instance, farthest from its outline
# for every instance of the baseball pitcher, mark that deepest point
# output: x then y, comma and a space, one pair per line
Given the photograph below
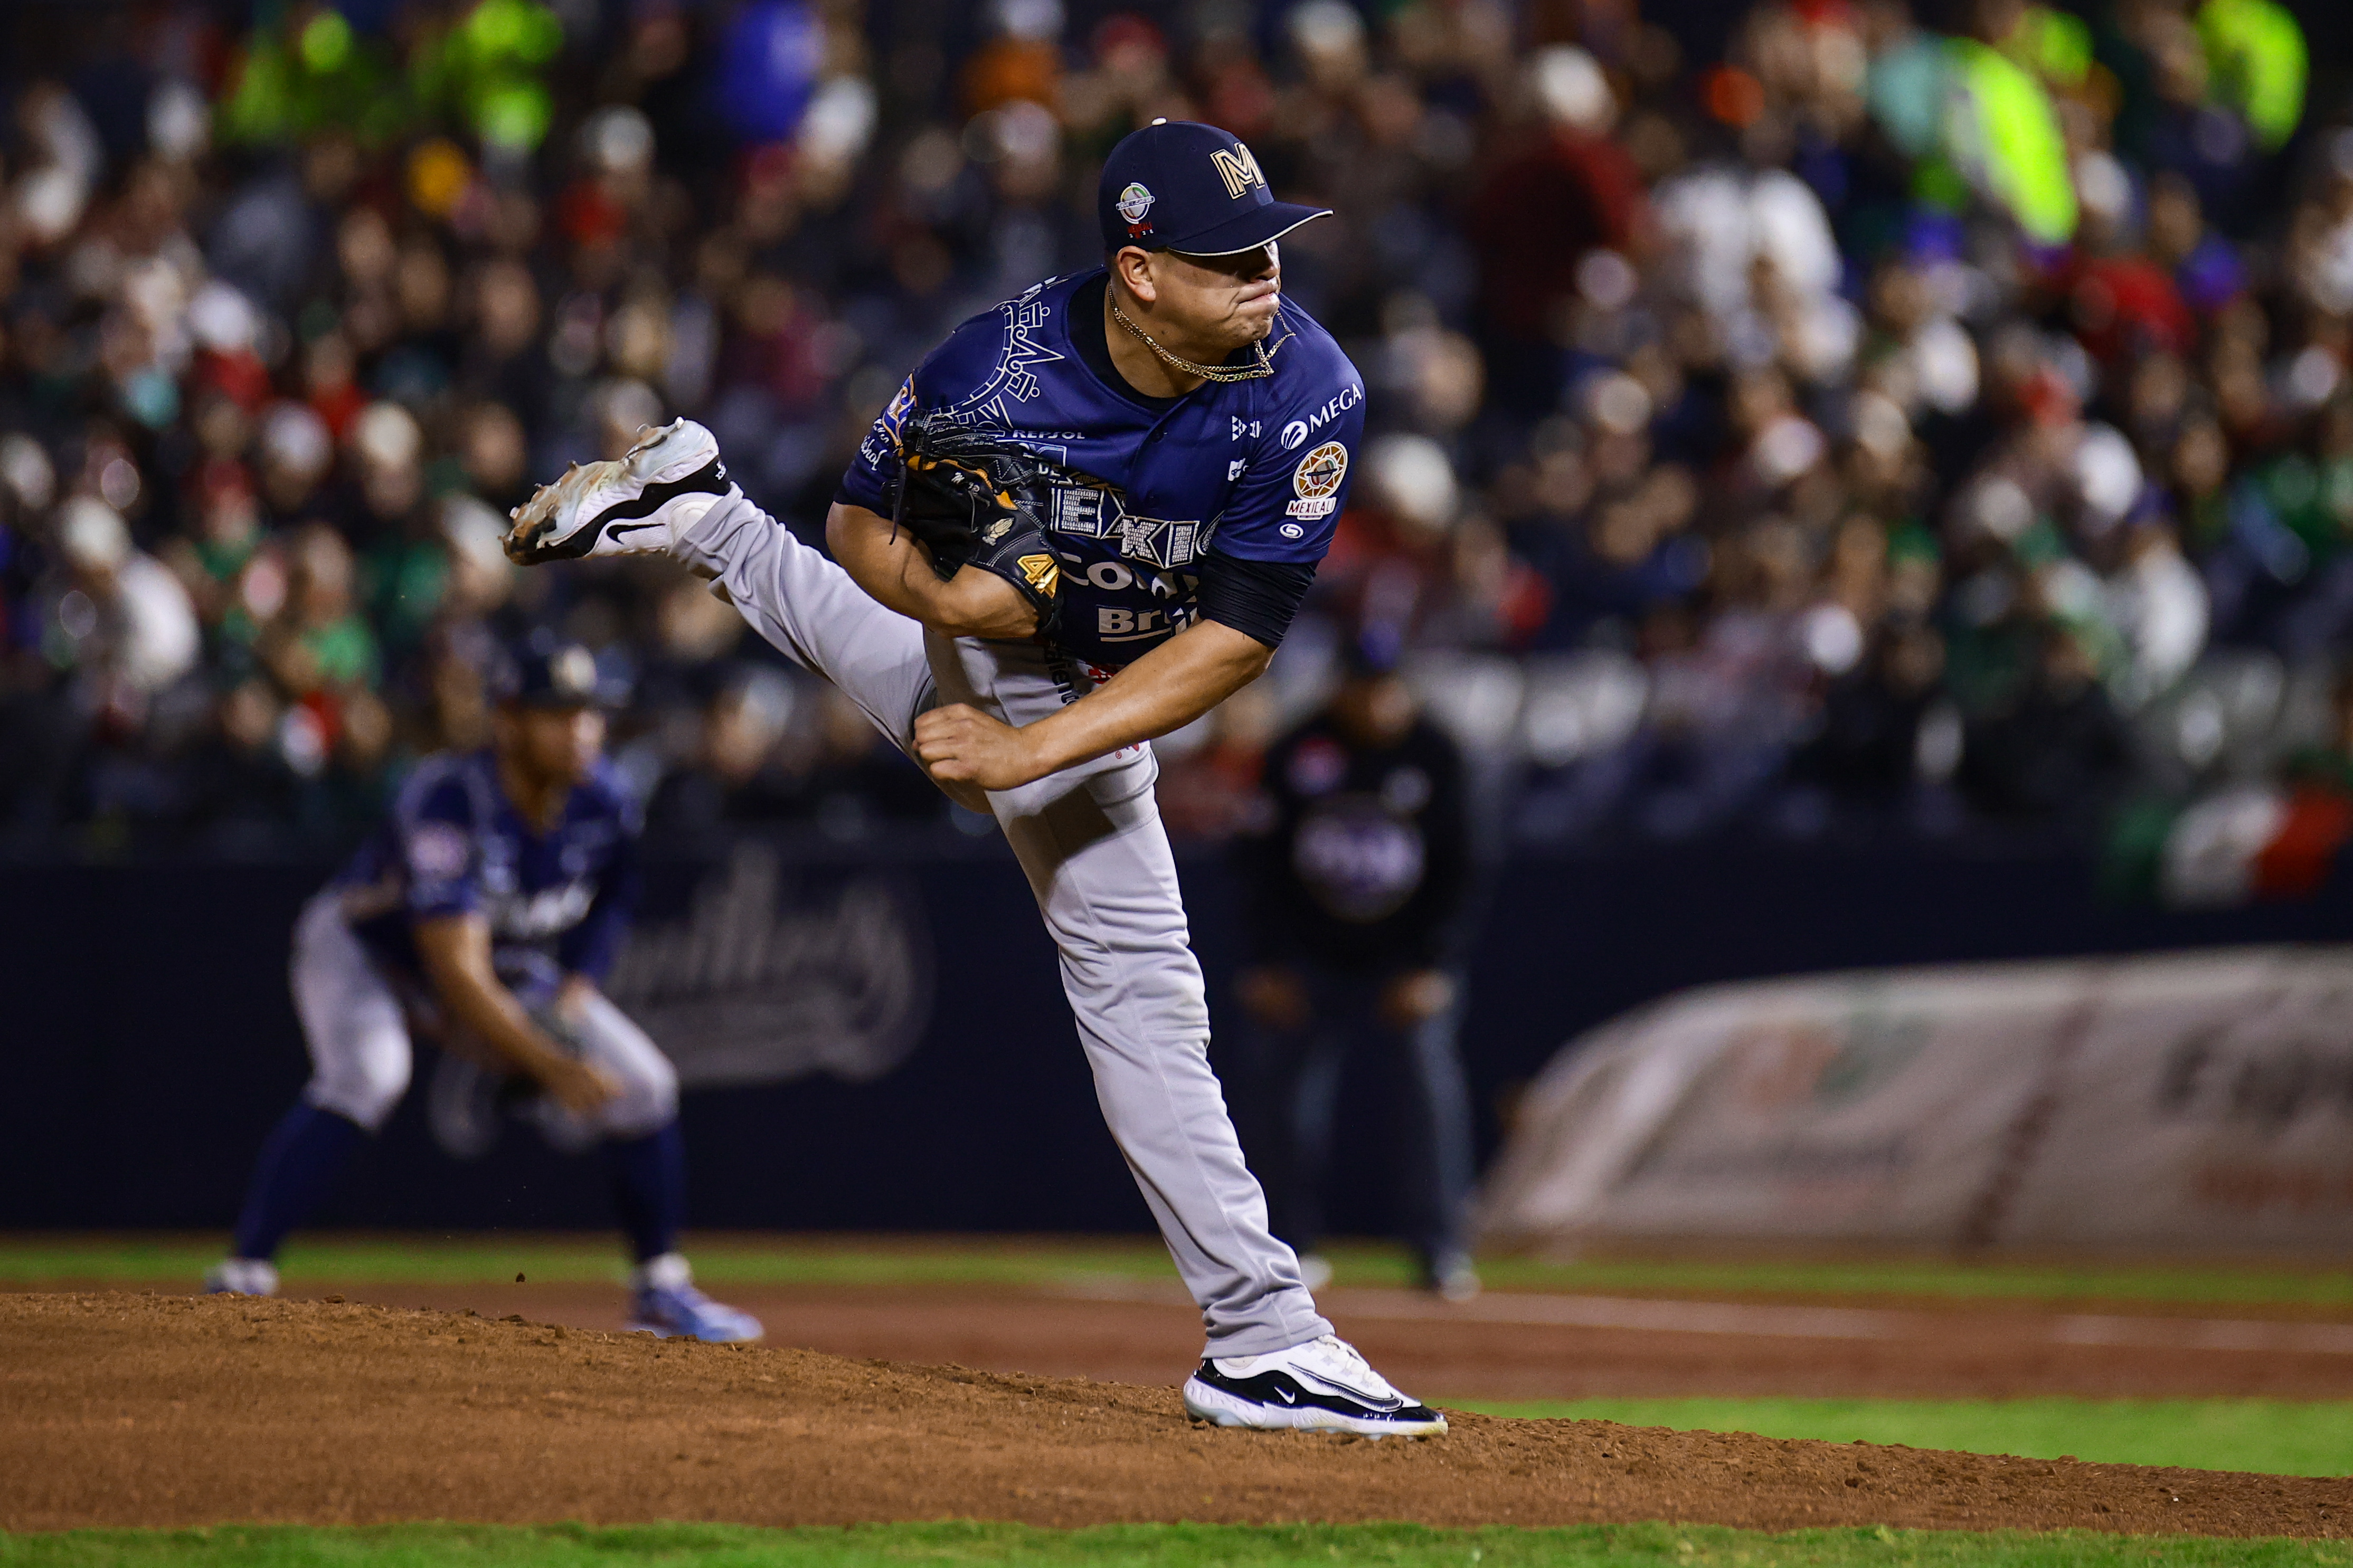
1086, 519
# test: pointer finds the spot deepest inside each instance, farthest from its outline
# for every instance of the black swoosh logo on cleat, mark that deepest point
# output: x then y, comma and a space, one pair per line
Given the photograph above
1369, 1401
709, 479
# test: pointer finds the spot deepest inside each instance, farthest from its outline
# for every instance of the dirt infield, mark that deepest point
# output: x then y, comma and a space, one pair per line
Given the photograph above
1501, 1347
157, 1410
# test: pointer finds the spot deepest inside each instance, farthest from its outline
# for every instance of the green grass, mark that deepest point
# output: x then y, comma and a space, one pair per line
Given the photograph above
1123, 1546
482, 1257
2272, 1437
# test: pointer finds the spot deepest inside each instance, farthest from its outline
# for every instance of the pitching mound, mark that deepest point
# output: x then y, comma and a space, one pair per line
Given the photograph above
147, 1410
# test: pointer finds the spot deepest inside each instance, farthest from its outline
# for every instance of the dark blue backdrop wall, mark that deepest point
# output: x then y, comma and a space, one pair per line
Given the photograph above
146, 1041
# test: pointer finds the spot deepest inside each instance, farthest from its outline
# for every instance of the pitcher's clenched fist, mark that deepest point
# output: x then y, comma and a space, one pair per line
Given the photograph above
962, 744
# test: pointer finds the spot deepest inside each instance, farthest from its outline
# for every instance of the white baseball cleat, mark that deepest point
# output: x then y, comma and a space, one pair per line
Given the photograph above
668, 1306
1452, 1277
634, 505
1323, 1386
241, 1276
683, 1312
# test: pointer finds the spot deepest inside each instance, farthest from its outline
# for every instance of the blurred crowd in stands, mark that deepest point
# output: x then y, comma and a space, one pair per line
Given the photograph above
1861, 420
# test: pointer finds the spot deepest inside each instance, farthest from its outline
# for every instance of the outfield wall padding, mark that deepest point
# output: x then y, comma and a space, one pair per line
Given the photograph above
873, 1034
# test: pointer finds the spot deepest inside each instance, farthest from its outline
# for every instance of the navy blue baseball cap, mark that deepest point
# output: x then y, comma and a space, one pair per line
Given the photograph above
1180, 185
556, 675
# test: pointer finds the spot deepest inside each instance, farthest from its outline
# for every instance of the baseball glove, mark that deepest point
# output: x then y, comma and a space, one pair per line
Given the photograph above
976, 501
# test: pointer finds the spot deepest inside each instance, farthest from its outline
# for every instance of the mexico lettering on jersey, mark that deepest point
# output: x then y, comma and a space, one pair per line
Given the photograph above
1251, 469
454, 845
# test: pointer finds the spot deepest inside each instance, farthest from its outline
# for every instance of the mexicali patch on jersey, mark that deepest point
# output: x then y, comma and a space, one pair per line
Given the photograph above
1315, 482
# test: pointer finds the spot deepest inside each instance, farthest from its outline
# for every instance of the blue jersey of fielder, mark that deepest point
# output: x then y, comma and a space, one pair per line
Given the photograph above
454, 845
1253, 471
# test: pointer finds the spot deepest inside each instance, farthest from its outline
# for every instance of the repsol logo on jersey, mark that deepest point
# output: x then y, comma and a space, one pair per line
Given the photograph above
1295, 434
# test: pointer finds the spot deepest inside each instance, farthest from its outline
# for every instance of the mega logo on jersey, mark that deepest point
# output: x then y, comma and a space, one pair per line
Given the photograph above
1316, 481
1295, 434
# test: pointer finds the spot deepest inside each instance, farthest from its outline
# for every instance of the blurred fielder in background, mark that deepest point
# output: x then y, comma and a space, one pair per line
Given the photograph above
1357, 886
482, 914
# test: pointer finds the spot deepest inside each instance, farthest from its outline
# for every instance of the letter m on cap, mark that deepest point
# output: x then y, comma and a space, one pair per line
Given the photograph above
1237, 169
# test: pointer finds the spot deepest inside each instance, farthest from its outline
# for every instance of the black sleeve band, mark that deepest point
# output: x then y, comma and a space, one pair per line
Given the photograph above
1257, 598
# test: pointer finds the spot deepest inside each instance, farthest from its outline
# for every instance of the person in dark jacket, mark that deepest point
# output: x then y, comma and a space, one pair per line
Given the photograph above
2057, 752
1357, 888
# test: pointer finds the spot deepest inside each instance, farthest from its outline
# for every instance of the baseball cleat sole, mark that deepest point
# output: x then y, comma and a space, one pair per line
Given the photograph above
680, 1311
629, 506
1221, 1408
661, 1331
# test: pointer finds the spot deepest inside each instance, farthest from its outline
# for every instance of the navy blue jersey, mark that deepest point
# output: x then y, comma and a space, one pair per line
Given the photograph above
1254, 471
455, 844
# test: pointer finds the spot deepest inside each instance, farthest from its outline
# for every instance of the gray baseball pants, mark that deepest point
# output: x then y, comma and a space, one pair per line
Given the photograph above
1098, 861
358, 1035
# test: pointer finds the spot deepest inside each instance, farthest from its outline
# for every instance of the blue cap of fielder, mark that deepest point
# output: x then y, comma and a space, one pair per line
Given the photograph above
556, 675
1180, 185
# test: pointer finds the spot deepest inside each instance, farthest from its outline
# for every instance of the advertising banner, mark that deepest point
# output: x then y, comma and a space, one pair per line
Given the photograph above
2208, 1107
2196, 1103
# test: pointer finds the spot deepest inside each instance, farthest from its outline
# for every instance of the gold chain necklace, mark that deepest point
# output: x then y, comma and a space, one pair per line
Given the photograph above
1265, 365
